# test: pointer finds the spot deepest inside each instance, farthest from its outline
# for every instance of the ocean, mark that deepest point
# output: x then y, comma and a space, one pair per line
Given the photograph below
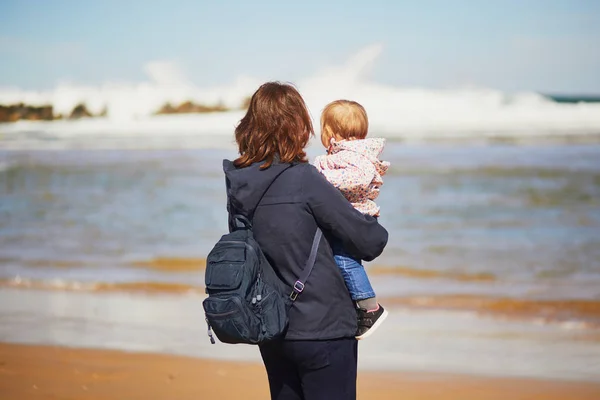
516, 221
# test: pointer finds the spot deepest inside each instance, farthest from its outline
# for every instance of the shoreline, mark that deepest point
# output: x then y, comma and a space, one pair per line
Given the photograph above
411, 340
47, 372
581, 313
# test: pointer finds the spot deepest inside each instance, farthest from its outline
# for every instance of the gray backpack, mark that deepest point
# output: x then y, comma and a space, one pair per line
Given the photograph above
247, 302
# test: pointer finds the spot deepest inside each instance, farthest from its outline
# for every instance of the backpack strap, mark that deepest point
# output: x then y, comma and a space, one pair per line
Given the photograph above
308, 267
265, 192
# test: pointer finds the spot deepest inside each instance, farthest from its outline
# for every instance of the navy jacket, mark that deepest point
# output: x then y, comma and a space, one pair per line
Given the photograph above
285, 223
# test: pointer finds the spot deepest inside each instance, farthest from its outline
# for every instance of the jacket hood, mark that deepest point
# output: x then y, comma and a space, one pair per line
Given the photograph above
246, 186
370, 148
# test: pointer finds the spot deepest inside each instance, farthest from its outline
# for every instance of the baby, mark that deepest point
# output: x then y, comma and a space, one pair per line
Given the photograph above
353, 167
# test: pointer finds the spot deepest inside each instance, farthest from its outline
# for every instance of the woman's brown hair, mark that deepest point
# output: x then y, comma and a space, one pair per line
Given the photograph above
276, 123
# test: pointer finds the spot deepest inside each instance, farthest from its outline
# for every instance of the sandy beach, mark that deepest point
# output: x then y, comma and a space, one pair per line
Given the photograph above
44, 372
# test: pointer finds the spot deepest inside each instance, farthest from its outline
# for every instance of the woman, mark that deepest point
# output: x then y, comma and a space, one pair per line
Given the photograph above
317, 358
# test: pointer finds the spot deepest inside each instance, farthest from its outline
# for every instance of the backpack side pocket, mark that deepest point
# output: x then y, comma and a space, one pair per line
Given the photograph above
232, 320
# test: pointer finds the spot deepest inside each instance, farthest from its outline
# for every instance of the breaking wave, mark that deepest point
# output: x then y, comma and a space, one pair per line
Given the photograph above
394, 112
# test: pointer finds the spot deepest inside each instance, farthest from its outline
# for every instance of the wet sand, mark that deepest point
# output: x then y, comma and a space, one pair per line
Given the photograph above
585, 311
44, 372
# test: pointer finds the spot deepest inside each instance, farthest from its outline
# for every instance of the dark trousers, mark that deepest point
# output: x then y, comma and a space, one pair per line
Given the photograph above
311, 370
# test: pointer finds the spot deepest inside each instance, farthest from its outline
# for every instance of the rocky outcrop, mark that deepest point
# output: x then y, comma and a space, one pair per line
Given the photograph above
24, 112
80, 111
16, 112
189, 107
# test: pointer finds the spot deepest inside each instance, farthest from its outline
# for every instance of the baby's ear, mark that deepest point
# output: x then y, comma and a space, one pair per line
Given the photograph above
331, 144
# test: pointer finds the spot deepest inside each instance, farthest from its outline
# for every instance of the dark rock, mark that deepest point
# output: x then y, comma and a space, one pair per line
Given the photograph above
43, 113
16, 112
80, 111
166, 109
189, 107
3, 114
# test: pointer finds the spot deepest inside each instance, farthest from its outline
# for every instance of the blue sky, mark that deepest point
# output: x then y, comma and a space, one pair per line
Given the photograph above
544, 45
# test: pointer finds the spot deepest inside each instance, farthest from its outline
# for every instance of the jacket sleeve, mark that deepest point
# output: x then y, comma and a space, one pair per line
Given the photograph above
361, 235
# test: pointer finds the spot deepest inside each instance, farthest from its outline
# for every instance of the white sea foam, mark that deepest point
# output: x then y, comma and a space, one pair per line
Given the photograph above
394, 112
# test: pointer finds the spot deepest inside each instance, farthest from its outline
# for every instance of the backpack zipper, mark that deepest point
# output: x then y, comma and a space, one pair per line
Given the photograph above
222, 314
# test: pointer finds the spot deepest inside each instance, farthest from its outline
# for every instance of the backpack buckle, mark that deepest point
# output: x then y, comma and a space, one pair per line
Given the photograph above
298, 288
241, 222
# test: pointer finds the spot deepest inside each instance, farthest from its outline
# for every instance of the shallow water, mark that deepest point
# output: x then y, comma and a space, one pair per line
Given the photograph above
521, 222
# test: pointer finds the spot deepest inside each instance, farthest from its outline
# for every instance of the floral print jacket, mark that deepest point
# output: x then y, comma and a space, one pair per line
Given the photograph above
353, 167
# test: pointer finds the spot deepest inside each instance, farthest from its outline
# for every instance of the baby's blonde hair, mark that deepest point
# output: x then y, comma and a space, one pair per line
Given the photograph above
343, 119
